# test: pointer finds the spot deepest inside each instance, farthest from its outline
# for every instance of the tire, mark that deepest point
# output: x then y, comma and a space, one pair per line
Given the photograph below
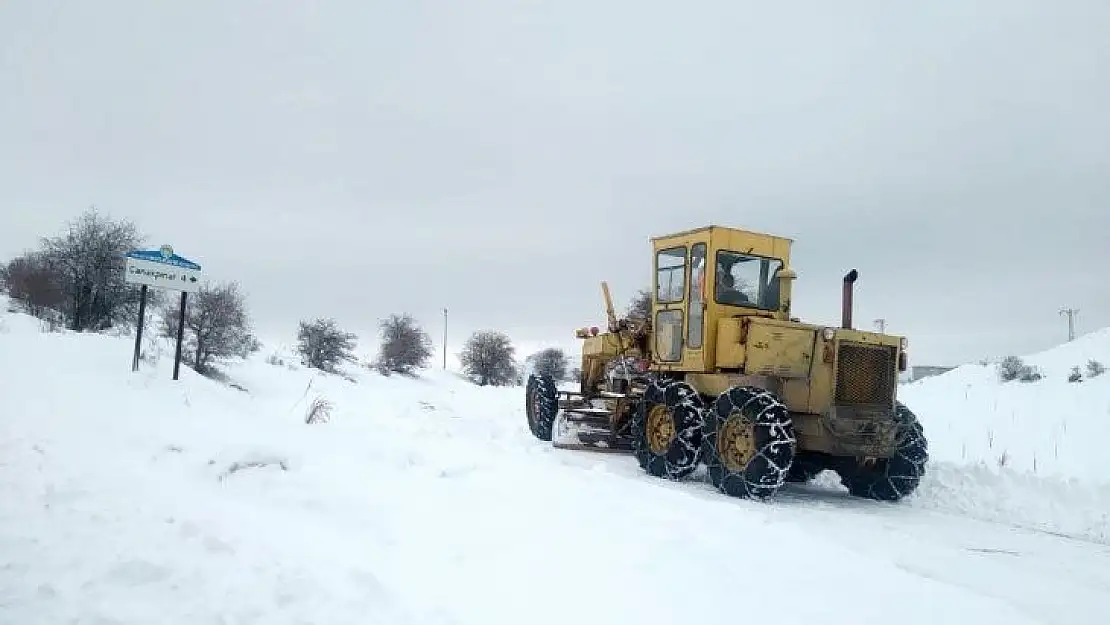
760, 421
541, 405
894, 478
674, 407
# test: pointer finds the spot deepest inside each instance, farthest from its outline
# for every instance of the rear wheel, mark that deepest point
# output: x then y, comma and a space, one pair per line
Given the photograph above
890, 479
667, 429
749, 442
541, 405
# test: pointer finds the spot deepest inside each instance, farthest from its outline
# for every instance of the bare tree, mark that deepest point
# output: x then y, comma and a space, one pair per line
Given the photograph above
639, 308
550, 362
405, 346
322, 345
217, 326
487, 358
88, 260
30, 281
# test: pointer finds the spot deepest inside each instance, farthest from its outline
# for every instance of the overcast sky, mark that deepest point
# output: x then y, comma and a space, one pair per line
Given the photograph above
354, 158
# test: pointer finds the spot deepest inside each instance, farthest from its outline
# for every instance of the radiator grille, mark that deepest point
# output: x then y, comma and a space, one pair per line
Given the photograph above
865, 374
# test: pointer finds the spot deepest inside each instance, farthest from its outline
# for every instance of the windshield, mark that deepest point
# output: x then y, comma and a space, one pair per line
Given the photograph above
744, 280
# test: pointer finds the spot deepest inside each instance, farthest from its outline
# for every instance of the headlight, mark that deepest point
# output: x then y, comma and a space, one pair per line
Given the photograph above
905, 343
828, 334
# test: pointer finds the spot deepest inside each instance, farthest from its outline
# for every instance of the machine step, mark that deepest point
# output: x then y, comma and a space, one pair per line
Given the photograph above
588, 411
596, 420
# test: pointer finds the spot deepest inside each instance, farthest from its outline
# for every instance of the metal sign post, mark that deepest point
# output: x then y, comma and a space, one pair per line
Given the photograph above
180, 335
161, 269
139, 329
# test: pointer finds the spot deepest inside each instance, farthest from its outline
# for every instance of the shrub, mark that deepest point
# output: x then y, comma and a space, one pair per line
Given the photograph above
1095, 368
88, 263
1013, 368
217, 326
1030, 374
1075, 375
405, 346
31, 282
322, 345
487, 358
1009, 369
551, 362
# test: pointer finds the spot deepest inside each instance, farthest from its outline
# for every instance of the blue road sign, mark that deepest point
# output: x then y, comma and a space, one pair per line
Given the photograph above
164, 256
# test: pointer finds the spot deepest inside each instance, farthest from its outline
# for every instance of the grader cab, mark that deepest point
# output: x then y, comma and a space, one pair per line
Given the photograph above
721, 373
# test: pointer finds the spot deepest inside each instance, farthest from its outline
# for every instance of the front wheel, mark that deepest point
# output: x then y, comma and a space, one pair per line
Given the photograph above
749, 442
541, 405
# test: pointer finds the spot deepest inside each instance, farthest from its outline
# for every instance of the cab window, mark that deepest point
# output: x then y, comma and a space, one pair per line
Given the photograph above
746, 280
670, 275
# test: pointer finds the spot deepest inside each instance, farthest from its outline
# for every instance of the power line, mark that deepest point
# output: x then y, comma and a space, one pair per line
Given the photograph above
882, 325
1071, 313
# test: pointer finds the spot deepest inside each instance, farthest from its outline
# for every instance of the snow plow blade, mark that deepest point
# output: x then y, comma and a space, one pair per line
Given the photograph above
588, 430
584, 426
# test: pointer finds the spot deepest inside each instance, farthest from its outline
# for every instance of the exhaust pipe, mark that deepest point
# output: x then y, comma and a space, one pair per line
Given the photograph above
846, 305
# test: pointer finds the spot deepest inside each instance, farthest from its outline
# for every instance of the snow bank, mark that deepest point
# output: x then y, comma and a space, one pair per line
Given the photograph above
1028, 454
1050, 427
1063, 507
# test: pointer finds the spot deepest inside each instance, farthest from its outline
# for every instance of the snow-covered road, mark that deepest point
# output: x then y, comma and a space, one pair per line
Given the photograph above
1044, 575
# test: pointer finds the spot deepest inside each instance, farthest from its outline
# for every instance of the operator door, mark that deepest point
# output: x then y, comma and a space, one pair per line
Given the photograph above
670, 296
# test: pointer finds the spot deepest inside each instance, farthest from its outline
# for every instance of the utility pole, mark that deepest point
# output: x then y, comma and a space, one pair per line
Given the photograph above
445, 338
1071, 314
882, 325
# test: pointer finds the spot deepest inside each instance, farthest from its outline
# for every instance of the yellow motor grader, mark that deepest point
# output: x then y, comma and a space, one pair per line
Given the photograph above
720, 373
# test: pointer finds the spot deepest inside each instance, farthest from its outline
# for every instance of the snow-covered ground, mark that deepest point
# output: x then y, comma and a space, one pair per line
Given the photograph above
1050, 427
131, 498
1006, 441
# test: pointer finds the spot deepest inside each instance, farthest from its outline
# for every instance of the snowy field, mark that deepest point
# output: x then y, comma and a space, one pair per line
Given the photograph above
133, 499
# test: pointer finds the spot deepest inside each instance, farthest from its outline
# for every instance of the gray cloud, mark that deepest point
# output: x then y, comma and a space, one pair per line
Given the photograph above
499, 158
